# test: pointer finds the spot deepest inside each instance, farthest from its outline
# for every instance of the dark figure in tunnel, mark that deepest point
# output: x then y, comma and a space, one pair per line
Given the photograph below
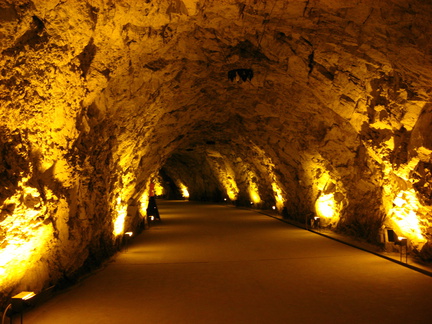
152, 209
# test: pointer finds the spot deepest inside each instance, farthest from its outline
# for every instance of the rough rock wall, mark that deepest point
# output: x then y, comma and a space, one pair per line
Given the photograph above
193, 173
97, 95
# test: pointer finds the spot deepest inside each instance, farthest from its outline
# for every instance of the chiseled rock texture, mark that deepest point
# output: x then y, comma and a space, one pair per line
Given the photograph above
97, 96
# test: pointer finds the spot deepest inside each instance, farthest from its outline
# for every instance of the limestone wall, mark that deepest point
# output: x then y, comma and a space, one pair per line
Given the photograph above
97, 96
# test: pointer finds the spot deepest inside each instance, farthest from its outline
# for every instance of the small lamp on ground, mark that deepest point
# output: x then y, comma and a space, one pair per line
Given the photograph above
316, 222
127, 237
18, 304
402, 242
21, 300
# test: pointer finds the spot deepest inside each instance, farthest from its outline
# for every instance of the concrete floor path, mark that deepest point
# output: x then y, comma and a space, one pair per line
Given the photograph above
216, 264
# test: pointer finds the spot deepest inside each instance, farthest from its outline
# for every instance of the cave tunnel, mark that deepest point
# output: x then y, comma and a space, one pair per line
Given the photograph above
314, 107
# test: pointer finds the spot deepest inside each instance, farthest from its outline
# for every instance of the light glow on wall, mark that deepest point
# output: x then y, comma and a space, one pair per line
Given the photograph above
225, 174
323, 180
231, 188
326, 206
184, 190
270, 168
325, 186
16, 256
403, 215
403, 208
254, 193
27, 235
158, 188
278, 195
119, 222
144, 200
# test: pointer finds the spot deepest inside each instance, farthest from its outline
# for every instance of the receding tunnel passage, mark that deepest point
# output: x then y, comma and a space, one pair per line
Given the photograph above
216, 264
318, 110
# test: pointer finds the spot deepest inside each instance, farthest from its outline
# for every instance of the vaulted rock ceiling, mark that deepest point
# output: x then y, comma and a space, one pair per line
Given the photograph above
99, 96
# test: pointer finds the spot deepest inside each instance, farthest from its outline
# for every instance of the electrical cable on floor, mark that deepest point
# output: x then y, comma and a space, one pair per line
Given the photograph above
4, 313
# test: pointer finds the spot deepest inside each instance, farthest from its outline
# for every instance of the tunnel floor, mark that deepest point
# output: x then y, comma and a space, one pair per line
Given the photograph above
216, 264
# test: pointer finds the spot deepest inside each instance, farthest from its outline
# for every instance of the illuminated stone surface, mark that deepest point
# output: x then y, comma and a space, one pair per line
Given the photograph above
214, 264
98, 96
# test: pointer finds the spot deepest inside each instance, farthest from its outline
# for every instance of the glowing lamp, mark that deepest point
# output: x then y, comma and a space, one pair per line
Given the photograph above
316, 222
225, 199
402, 241
129, 234
20, 300
274, 207
25, 295
151, 217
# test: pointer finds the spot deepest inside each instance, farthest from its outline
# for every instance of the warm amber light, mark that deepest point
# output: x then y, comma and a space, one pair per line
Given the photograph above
144, 200
225, 174
158, 188
399, 202
15, 256
325, 206
278, 195
270, 167
184, 191
232, 194
25, 295
27, 235
253, 189
325, 186
121, 217
254, 196
230, 185
403, 215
